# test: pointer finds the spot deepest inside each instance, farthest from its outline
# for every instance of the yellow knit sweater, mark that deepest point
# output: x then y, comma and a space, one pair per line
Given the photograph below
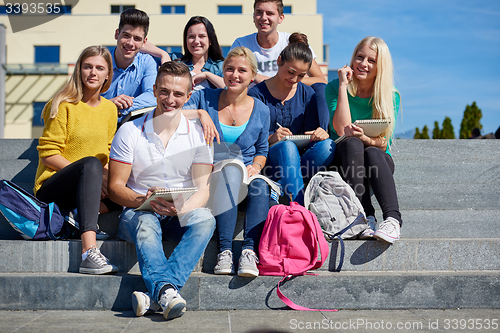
77, 131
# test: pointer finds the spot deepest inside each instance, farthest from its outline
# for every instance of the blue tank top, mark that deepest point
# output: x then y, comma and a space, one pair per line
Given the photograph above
232, 133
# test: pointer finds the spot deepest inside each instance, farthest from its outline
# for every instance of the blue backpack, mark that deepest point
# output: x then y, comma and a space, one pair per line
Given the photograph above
33, 219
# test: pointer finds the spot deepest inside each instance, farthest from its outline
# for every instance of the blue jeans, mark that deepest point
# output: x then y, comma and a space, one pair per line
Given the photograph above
227, 192
292, 168
145, 229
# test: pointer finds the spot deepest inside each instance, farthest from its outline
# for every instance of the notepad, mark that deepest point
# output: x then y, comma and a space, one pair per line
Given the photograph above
246, 179
301, 141
371, 127
169, 194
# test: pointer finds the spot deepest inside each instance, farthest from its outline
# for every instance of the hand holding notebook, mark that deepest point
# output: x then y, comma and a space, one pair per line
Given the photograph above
371, 127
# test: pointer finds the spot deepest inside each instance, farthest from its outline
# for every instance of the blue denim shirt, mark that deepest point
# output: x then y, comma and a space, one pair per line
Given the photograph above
136, 80
211, 66
252, 142
299, 114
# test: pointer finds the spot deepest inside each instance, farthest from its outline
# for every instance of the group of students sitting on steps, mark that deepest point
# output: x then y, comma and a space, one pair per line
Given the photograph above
268, 87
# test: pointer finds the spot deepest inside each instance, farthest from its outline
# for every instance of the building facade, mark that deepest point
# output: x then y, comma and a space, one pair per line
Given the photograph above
39, 59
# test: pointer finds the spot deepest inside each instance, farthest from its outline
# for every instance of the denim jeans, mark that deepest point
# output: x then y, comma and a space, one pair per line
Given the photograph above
145, 229
292, 168
227, 192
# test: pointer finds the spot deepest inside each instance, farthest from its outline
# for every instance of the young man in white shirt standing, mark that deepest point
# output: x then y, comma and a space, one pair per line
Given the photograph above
267, 43
163, 149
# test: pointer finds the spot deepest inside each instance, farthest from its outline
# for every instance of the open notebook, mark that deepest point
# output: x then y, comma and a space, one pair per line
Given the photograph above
169, 194
371, 127
301, 141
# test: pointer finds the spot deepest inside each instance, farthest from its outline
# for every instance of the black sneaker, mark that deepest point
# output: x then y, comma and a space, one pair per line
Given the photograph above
96, 263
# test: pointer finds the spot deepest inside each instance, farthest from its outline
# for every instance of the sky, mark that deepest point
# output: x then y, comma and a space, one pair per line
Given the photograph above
446, 53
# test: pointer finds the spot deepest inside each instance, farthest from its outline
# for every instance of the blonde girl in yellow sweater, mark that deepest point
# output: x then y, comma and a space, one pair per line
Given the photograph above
74, 150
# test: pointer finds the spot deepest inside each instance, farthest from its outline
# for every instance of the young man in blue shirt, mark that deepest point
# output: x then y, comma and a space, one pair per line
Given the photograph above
134, 73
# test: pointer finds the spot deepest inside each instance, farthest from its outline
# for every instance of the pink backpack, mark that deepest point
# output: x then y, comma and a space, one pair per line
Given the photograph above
292, 243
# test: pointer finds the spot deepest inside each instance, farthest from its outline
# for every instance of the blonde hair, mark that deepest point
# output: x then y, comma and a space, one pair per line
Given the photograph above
72, 92
383, 88
242, 51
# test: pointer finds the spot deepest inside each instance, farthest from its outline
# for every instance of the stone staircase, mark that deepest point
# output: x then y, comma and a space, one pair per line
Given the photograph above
448, 255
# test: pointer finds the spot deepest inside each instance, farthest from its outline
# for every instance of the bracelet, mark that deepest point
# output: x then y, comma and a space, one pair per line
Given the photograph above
258, 164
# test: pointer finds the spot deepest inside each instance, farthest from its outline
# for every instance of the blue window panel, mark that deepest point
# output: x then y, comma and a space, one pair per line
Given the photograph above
46, 54
225, 50
230, 9
180, 9
171, 49
173, 9
37, 113
287, 9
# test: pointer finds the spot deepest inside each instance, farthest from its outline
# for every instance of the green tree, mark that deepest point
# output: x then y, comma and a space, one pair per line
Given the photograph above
447, 132
425, 133
472, 119
436, 132
417, 134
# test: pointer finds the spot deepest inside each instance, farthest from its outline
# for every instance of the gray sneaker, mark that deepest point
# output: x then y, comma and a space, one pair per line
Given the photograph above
143, 304
172, 303
96, 263
224, 263
248, 264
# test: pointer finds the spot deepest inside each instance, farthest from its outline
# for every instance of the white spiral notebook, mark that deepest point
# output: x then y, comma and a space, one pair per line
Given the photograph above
169, 194
372, 127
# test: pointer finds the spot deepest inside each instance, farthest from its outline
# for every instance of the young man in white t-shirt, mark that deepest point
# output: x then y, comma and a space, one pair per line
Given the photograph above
163, 149
267, 43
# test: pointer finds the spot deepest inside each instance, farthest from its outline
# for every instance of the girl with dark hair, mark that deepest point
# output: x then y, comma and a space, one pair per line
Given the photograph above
294, 110
74, 150
202, 53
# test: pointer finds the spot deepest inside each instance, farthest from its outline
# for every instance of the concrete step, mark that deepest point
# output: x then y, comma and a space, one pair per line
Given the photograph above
346, 290
407, 254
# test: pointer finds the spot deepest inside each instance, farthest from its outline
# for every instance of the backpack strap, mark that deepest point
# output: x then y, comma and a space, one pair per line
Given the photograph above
290, 303
342, 246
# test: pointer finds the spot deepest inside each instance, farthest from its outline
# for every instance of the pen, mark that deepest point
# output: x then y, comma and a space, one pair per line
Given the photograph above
279, 125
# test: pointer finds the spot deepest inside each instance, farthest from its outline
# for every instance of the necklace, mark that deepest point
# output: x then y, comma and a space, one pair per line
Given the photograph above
227, 106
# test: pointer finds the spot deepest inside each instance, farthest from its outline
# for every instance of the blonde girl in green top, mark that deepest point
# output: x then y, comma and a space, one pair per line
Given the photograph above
74, 150
365, 90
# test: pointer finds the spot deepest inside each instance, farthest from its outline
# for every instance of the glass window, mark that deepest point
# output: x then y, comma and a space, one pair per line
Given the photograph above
117, 9
37, 113
171, 49
173, 9
230, 9
287, 9
46, 54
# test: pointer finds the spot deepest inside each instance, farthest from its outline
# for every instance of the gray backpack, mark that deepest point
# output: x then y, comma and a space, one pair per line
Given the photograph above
335, 204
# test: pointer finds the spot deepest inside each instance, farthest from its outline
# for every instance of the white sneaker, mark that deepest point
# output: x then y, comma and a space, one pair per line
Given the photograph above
247, 266
172, 303
224, 263
143, 304
368, 232
388, 230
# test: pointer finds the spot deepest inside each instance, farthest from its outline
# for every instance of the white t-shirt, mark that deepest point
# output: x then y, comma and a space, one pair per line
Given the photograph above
137, 144
267, 59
